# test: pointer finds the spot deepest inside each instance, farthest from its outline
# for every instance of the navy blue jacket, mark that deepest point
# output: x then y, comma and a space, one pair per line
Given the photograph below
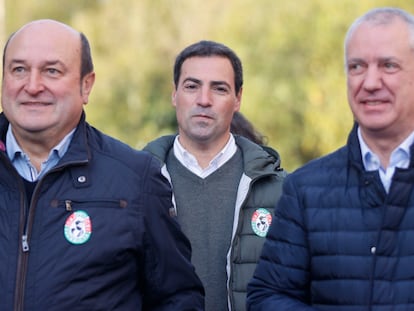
338, 241
131, 255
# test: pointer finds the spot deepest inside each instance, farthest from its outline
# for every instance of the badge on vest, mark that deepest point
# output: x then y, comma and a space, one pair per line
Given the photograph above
261, 220
78, 228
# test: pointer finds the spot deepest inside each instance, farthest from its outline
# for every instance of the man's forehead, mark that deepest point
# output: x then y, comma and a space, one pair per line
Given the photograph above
212, 67
48, 39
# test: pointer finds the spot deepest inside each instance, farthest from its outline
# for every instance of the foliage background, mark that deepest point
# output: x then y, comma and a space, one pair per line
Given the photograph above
292, 52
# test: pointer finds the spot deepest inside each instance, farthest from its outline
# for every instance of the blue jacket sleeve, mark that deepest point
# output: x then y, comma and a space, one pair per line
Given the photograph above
171, 283
281, 279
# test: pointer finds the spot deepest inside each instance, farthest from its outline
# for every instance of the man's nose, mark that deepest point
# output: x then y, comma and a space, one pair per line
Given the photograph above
34, 83
373, 79
204, 96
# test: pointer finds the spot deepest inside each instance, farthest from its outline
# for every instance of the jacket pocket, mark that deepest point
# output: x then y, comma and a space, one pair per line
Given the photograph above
73, 205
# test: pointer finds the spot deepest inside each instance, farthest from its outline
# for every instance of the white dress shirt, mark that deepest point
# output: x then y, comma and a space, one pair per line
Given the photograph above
190, 162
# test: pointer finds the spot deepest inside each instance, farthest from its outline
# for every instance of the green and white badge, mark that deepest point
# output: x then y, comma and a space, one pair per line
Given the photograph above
78, 227
261, 220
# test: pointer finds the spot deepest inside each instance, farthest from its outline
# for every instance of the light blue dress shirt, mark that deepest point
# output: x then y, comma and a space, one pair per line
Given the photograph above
400, 157
21, 160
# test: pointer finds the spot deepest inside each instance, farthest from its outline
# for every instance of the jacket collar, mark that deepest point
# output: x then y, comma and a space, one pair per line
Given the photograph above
78, 150
355, 149
256, 160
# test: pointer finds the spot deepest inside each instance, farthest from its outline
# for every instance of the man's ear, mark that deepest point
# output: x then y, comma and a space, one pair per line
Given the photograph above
173, 97
238, 100
87, 84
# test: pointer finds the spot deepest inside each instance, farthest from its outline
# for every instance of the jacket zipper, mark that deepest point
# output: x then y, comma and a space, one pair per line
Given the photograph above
26, 220
23, 253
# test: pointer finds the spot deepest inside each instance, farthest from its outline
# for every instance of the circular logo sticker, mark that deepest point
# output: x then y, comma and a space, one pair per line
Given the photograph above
78, 227
261, 221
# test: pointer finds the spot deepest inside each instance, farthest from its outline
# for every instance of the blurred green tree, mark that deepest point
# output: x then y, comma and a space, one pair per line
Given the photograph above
292, 51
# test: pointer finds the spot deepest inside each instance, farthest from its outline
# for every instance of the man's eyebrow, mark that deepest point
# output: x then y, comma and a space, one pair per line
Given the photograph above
211, 83
16, 61
54, 62
192, 80
220, 83
355, 60
214, 82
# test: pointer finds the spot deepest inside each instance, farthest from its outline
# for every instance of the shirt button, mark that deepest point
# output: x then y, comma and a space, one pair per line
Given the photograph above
373, 250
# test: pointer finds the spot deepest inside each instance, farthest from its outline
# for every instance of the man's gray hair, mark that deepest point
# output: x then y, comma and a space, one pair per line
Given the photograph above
381, 16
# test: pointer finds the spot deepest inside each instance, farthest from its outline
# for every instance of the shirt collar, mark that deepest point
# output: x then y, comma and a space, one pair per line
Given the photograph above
400, 156
189, 160
13, 149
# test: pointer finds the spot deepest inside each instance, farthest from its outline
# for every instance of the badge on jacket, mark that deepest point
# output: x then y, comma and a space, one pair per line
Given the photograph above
261, 220
78, 227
